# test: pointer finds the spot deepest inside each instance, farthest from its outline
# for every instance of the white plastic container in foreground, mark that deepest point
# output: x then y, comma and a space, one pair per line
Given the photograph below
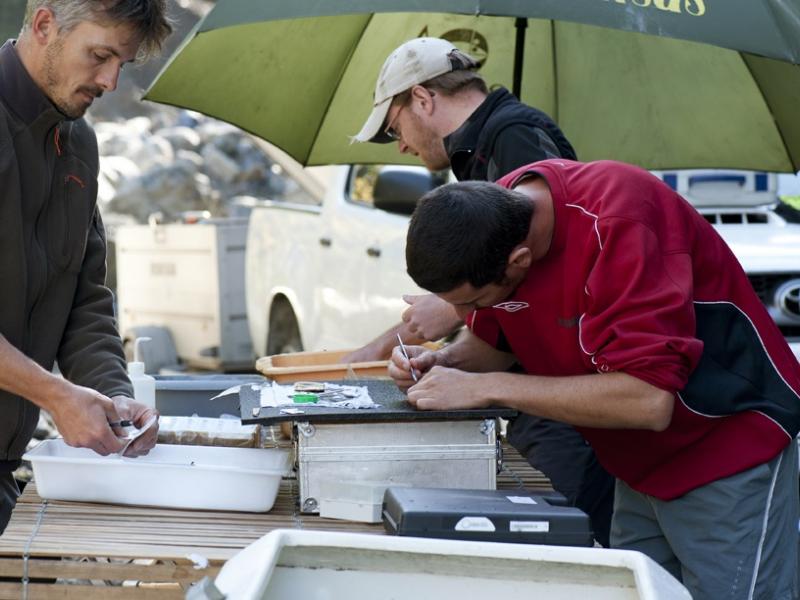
204, 477
298, 564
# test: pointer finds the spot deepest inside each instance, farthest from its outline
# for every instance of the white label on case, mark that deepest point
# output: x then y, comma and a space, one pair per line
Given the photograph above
530, 526
521, 499
475, 524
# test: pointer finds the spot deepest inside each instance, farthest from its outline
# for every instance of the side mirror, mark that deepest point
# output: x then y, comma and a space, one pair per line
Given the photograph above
398, 189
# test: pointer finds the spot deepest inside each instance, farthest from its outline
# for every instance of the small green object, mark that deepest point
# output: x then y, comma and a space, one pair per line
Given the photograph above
304, 398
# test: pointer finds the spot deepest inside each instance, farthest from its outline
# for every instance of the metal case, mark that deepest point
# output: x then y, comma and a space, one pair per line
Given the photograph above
449, 454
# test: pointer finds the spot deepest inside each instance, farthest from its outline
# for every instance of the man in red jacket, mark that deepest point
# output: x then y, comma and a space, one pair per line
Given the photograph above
634, 322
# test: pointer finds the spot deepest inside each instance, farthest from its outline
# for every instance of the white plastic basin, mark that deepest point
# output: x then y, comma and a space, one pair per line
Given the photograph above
318, 565
204, 477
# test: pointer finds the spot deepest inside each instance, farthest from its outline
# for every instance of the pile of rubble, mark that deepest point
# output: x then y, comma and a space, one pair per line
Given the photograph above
160, 159
173, 162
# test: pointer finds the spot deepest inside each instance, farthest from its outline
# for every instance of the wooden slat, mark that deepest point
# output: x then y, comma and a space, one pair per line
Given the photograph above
515, 465
41, 591
91, 569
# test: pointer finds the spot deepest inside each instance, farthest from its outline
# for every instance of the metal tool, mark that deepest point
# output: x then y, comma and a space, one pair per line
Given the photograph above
133, 433
405, 353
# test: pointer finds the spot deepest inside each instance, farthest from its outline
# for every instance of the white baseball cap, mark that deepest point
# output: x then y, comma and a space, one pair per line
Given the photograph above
414, 62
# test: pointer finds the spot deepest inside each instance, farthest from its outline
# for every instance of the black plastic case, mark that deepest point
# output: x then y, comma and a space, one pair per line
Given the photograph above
485, 515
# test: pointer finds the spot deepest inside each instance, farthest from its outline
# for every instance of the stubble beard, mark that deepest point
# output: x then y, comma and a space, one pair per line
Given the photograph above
438, 160
435, 157
53, 83
431, 146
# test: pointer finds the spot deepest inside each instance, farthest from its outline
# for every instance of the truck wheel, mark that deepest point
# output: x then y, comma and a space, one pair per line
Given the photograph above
284, 333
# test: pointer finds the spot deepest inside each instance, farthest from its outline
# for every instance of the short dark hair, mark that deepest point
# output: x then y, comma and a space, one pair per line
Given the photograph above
464, 233
453, 82
462, 78
148, 17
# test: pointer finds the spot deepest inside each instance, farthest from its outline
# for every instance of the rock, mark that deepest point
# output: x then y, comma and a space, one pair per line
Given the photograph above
140, 125
188, 118
219, 164
113, 171
45, 428
118, 168
171, 189
154, 151
114, 139
181, 138
214, 131
190, 157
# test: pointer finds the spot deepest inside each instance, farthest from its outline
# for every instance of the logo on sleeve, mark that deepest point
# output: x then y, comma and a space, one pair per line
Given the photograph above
512, 307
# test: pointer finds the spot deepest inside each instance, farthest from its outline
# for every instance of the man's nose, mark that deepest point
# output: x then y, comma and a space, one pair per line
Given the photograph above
108, 77
402, 146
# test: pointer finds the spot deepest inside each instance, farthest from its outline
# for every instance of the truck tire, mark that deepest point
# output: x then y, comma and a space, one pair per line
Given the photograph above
284, 333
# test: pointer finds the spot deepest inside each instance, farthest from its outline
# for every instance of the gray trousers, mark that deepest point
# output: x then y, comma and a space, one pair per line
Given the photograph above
9, 492
735, 538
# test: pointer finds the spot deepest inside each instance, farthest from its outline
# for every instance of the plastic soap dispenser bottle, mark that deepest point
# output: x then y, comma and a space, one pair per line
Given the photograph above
144, 386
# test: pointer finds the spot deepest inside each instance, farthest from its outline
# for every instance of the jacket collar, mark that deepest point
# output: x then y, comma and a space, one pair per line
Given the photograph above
462, 143
466, 136
20, 93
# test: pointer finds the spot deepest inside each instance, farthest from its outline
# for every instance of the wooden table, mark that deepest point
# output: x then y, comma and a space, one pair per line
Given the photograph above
104, 551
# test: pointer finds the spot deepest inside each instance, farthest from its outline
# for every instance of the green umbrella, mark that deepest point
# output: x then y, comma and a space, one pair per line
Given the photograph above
717, 85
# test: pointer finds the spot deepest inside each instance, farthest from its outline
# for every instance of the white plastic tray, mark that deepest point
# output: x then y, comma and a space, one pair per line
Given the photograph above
323, 564
204, 477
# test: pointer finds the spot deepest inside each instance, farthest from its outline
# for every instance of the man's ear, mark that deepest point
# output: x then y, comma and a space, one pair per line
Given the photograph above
422, 97
520, 257
43, 26
519, 261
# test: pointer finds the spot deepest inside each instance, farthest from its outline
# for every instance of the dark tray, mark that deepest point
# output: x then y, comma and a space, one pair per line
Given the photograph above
393, 407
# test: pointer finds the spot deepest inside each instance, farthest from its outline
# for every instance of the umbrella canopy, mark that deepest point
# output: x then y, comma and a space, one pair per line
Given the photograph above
716, 86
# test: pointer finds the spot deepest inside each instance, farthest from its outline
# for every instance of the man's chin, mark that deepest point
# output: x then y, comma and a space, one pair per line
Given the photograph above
74, 111
434, 166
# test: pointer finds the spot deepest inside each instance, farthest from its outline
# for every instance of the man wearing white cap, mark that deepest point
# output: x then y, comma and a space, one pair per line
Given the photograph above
430, 100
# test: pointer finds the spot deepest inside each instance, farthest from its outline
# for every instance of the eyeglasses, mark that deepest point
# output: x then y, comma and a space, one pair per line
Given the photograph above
390, 130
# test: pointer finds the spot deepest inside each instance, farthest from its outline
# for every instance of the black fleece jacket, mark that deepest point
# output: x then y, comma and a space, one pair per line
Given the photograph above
502, 135
53, 301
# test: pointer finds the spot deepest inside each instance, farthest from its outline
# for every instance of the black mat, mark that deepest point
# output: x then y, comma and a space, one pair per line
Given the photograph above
393, 407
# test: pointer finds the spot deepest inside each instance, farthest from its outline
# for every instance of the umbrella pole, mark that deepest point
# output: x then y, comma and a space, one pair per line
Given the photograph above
519, 47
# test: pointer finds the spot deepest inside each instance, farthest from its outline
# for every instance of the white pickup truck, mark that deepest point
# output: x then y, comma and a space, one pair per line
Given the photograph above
329, 274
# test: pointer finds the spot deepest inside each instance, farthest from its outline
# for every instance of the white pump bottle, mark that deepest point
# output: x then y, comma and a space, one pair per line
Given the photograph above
144, 386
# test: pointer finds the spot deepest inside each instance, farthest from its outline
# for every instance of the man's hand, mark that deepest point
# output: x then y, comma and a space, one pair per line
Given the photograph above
429, 317
139, 414
82, 416
448, 389
419, 358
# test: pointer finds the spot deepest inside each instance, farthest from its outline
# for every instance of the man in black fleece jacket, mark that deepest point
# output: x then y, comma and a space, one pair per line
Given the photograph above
54, 305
